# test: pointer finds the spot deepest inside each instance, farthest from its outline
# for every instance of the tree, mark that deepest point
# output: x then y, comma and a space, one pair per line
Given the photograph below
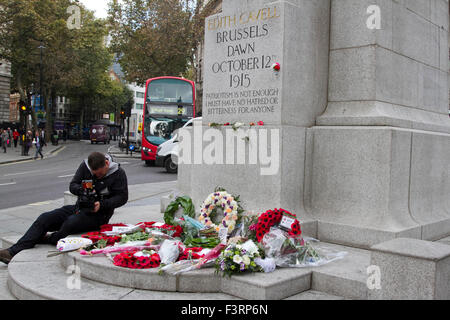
155, 37
74, 62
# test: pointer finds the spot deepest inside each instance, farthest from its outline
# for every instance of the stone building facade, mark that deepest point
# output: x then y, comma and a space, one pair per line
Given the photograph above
5, 78
211, 7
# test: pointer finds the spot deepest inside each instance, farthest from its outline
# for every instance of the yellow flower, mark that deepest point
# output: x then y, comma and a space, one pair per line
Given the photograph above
228, 210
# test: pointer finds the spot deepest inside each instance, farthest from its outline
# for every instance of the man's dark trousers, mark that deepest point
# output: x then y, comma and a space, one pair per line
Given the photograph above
63, 222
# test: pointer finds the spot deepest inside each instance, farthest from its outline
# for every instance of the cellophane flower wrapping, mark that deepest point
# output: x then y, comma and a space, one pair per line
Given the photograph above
170, 251
188, 265
296, 252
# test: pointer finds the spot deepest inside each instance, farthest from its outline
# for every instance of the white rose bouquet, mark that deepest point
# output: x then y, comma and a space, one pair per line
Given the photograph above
238, 258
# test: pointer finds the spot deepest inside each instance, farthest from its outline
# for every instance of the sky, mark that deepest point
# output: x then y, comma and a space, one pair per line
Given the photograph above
99, 6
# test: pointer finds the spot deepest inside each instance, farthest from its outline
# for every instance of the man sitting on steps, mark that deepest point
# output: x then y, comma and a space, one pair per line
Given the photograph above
111, 191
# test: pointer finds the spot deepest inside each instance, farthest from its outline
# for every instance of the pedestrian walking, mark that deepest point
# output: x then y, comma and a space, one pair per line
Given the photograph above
4, 140
15, 137
10, 137
28, 142
39, 146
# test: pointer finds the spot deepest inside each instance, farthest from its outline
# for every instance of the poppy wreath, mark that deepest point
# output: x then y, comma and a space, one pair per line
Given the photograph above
97, 236
273, 217
129, 260
109, 227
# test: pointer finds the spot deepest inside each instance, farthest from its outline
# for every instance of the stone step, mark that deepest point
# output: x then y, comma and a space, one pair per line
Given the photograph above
314, 295
8, 241
344, 278
445, 241
259, 286
32, 276
4, 292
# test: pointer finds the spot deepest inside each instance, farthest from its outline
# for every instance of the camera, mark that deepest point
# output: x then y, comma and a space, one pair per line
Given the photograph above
88, 196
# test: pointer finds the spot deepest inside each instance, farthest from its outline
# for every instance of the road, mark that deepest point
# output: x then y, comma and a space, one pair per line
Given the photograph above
42, 180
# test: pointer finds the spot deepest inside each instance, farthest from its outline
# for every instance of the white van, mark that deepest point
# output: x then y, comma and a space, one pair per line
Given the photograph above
169, 149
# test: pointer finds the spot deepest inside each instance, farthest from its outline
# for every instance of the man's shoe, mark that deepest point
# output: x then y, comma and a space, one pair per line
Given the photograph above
5, 256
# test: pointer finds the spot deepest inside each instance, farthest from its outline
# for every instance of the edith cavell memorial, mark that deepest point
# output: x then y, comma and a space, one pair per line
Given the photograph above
334, 110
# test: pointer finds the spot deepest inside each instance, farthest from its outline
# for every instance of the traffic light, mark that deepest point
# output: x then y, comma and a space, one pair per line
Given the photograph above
24, 109
22, 106
122, 114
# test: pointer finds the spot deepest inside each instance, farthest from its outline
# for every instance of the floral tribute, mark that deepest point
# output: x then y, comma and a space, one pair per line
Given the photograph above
271, 218
137, 260
237, 259
101, 236
228, 204
191, 254
242, 242
174, 231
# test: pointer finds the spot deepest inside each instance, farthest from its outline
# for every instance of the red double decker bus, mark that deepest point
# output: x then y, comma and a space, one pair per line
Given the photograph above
169, 104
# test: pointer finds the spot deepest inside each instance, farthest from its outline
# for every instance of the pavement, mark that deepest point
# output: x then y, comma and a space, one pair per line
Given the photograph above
31, 181
14, 155
115, 151
143, 205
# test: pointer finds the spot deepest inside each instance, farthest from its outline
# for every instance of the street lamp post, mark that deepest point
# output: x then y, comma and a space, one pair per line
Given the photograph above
41, 77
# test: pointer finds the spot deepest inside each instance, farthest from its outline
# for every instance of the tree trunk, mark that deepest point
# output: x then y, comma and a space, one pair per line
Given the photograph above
82, 119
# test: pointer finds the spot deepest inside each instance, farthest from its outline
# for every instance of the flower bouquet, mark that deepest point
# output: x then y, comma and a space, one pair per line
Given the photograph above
238, 258
276, 217
145, 259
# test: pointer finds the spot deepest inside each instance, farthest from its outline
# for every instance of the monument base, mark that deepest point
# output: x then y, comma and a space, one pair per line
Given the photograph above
366, 185
280, 187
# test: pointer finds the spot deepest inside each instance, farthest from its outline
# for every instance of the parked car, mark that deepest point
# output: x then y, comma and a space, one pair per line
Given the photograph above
99, 133
168, 151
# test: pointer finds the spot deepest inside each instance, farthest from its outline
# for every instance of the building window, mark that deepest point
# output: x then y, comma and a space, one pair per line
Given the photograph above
139, 106
140, 95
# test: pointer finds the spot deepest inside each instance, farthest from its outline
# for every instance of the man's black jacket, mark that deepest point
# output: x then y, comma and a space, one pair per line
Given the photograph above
113, 187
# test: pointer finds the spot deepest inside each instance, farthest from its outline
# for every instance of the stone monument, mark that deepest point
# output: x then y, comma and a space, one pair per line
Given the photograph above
356, 132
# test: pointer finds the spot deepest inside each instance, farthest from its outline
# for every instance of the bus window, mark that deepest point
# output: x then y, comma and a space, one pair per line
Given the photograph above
170, 91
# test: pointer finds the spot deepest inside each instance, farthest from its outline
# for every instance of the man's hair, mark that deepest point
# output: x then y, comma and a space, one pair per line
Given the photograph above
96, 161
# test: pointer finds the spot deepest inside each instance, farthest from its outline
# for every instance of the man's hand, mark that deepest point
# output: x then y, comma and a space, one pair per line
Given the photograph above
96, 207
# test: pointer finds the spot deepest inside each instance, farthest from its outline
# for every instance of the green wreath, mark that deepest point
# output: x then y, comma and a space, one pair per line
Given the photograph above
187, 205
